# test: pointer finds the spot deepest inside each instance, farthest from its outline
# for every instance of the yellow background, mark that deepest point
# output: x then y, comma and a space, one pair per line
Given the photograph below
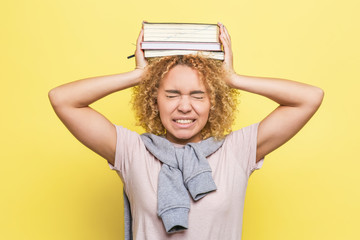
52, 187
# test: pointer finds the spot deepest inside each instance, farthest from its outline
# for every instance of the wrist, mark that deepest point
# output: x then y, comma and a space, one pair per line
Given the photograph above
231, 78
138, 73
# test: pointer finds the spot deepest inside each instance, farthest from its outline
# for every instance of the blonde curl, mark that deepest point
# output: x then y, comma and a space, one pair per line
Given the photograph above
223, 99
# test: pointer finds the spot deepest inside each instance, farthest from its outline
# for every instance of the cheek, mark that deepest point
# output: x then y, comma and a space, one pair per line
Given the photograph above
165, 108
203, 110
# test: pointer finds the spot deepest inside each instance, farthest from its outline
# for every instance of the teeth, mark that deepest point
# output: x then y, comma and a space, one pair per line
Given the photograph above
184, 121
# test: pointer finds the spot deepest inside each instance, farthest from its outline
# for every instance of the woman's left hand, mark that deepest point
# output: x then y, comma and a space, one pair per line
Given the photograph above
228, 59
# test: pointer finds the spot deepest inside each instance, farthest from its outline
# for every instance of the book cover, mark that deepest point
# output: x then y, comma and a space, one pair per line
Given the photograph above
206, 46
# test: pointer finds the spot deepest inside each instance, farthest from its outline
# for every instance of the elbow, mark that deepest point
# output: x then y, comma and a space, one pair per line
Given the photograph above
51, 96
315, 98
319, 96
54, 98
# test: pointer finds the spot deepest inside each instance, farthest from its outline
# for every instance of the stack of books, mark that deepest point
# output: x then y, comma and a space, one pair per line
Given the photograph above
167, 39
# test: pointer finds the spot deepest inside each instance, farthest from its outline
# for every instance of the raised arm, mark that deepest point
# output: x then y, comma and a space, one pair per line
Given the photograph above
71, 103
297, 102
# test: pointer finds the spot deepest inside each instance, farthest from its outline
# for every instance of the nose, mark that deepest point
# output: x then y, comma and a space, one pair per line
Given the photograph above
184, 104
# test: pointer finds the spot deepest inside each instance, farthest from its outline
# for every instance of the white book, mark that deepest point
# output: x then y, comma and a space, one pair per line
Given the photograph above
205, 46
162, 53
179, 32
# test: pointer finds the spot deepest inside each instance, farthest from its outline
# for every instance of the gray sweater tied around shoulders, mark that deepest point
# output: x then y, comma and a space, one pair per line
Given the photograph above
184, 170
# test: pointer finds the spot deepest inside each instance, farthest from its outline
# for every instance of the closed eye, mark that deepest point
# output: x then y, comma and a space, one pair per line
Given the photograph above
198, 97
172, 93
172, 96
198, 94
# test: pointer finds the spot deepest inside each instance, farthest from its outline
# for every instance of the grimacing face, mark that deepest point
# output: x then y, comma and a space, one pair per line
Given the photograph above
183, 104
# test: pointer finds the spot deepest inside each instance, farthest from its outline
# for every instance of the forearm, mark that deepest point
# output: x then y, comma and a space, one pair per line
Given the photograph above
284, 92
83, 92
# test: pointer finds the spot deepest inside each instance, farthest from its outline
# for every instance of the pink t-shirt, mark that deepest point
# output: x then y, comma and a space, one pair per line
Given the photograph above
217, 216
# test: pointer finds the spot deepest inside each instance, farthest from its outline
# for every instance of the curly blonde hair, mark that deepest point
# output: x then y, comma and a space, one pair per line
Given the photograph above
223, 99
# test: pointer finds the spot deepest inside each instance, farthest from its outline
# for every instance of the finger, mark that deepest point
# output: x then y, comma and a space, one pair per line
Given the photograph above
224, 38
144, 21
140, 60
225, 42
221, 29
227, 49
140, 38
226, 32
221, 35
226, 35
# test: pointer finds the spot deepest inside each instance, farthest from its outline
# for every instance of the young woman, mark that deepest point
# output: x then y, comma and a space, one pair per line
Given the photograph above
186, 178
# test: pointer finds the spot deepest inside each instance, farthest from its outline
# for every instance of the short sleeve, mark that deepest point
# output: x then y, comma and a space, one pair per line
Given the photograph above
243, 144
127, 143
250, 135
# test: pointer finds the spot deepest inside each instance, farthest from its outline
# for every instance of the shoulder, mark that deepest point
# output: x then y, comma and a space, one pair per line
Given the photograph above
242, 144
244, 134
127, 140
128, 144
122, 132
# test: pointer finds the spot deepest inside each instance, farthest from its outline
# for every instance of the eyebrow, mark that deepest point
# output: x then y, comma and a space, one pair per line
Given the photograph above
178, 92
172, 91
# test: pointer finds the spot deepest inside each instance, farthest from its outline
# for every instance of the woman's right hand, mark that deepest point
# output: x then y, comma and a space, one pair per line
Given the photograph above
140, 60
71, 103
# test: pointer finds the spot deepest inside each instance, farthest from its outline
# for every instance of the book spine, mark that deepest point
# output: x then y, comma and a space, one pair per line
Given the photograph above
162, 53
181, 38
182, 45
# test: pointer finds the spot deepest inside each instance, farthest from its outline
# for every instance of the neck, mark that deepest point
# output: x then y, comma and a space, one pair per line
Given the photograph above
179, 141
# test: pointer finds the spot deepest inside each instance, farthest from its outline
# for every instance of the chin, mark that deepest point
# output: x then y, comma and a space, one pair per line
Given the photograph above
184, 138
